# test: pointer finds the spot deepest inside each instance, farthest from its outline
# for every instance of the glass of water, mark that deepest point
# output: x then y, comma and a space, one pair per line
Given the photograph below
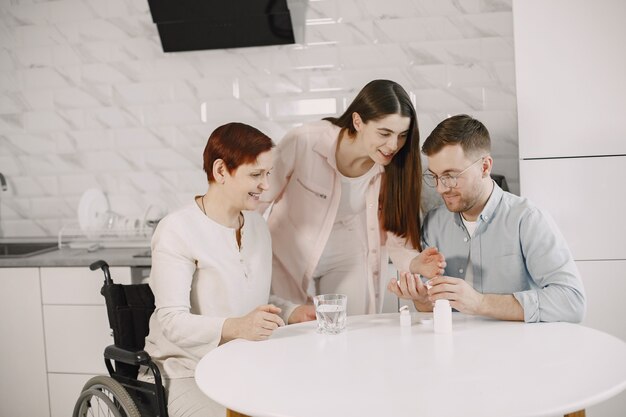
330, 310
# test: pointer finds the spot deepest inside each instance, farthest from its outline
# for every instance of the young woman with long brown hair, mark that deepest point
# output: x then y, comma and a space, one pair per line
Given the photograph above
344, 190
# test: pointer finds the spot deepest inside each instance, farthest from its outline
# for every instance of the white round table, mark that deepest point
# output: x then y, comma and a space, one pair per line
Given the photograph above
377, 368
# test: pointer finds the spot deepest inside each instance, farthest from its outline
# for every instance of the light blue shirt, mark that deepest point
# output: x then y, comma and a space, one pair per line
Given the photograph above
516, 249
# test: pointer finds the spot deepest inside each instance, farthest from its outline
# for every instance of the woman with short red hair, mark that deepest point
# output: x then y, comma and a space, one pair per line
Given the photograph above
211, 269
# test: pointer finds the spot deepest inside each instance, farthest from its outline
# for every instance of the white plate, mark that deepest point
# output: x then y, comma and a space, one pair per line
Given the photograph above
92, 210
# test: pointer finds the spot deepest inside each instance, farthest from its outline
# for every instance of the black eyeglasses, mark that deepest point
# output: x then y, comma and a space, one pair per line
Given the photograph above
449, 181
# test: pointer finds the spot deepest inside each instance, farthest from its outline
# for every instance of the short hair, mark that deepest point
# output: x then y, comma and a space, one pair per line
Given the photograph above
462, 130
236, 144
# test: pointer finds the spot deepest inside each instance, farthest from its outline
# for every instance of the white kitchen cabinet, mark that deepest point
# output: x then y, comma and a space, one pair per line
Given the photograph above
23, 382
75, 338
64, 391
570, 63
586, 199
605, 287
76, 328
571, 97
78, 285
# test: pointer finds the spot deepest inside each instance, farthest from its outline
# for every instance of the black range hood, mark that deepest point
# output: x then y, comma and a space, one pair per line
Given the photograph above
188, 25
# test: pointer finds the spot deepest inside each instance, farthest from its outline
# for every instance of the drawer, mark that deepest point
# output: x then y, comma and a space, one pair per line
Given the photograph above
77, 285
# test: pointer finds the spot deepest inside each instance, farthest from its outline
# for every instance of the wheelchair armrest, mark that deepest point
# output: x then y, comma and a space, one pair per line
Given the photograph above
138, 357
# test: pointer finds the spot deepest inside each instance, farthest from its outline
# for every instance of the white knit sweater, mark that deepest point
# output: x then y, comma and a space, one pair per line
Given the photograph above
200, 278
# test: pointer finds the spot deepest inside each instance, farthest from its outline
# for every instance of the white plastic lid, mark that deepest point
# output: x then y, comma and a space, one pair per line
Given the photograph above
442, 303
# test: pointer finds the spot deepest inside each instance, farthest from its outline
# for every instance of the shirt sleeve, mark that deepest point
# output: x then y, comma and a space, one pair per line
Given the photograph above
284, 162
558, 294
400, 252
287, 307
171, 277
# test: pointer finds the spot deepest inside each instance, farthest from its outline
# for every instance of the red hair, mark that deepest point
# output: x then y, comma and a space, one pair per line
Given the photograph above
236, 144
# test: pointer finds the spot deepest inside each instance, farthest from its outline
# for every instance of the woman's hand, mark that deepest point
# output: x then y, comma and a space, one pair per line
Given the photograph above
429, 263
305, 312
256, 325
411, 287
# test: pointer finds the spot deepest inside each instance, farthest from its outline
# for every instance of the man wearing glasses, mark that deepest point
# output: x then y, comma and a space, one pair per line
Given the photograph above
504, 257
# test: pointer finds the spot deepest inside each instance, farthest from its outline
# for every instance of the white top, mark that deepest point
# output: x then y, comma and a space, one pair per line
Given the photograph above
469, 269
199, 278
377, 368
353, 191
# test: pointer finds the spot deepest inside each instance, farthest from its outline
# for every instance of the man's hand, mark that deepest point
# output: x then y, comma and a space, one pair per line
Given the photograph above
462, 296
429, 263
304, 312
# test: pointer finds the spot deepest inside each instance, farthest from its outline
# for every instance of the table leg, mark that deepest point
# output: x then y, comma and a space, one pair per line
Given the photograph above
580, 413
231, 413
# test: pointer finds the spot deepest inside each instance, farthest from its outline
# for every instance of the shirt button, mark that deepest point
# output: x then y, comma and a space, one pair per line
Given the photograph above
461, 271
465, 239
486, 217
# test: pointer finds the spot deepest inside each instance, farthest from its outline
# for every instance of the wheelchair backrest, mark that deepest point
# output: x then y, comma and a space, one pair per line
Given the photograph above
129, 308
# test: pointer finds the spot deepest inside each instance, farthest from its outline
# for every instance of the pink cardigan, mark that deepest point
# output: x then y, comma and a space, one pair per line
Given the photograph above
305, 190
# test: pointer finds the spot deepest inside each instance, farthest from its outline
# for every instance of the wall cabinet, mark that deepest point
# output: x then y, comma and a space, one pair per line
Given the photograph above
23, 385
570, 63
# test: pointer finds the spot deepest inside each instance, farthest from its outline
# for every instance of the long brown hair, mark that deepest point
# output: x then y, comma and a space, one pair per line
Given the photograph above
401, 188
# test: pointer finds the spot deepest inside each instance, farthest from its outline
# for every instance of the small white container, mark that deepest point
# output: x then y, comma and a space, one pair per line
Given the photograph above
405, 317
443, 316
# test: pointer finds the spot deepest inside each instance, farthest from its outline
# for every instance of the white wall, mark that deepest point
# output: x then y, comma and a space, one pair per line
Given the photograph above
88, 98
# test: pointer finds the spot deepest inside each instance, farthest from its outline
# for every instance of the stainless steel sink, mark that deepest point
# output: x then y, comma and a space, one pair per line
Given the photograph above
25, 249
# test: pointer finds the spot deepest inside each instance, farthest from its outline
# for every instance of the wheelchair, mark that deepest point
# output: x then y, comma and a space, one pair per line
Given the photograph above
121, 394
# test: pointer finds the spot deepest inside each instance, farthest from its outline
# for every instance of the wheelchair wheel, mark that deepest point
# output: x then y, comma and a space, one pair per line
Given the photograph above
104, 396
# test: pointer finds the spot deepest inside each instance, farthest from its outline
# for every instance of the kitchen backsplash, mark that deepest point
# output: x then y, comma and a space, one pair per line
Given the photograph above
88, 99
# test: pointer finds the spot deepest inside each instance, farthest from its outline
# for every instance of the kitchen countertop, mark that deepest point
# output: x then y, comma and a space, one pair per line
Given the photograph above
81, 257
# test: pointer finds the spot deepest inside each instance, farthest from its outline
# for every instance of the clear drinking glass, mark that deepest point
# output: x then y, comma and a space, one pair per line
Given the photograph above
330, 310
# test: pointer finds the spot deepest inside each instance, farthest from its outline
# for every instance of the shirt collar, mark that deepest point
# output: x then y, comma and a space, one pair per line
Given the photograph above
492, 203
490, 207
328, 147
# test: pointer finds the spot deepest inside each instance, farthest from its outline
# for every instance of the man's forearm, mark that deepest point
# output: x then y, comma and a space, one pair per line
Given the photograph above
501, 307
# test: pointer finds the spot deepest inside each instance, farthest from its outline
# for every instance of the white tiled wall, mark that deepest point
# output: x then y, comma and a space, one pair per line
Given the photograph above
88, 98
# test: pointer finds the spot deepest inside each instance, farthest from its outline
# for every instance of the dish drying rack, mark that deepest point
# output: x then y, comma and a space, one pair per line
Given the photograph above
72, 236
